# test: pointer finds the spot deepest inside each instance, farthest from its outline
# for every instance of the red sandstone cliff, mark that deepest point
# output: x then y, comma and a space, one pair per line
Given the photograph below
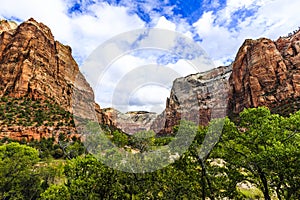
266, 73
34, 65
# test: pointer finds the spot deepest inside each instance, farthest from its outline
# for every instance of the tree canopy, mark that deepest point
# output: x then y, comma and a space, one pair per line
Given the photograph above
254, 157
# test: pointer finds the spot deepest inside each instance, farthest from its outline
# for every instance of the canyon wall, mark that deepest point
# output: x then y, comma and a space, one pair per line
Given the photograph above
34, 65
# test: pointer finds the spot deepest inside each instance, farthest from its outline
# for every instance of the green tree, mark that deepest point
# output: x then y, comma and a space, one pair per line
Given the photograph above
56, 192
263, 149
87, 178
143, 140
18, 177
119, 139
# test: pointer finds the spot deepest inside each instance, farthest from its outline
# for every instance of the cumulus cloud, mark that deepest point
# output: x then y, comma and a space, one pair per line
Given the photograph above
135, 83
224, 31
82, 31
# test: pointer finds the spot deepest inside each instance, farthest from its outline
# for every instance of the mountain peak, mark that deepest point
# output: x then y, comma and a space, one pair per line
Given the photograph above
8, 26
33, 64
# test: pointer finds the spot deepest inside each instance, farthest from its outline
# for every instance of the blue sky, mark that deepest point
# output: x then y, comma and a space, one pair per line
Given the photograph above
218, 26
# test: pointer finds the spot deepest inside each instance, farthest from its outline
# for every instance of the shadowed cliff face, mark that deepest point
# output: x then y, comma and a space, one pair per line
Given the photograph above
266, 73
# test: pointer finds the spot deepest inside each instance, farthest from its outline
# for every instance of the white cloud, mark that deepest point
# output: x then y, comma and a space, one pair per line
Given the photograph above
272, 19
82, 32
51, 13
281, 17
136, 79
149, 98
100, 22
163, 23
218, 42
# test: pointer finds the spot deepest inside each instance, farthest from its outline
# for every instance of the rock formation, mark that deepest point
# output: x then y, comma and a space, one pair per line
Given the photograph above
34, 65
130, 122
197, 97
266, 73
36, 133
8, 26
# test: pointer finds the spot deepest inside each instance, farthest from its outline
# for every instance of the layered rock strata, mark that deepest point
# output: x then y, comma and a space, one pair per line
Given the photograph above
197, 98
34, 65
266, 73
130, 122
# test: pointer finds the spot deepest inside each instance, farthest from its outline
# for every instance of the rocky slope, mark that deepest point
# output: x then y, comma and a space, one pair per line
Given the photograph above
34, 65
197, 97
130, 122
266, 73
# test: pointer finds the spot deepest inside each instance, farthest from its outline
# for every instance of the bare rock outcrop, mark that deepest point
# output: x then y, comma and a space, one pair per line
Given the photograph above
129, 122
36, 133
34, 65
8, 26
266, 73
197, 97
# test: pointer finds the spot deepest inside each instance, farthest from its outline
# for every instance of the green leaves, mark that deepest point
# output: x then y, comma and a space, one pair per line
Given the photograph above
261, 151
56, 192
18, 180
26, 112
265, 147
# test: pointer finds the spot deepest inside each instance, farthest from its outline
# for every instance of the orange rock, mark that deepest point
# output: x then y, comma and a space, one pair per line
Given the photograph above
265, 73
33, 64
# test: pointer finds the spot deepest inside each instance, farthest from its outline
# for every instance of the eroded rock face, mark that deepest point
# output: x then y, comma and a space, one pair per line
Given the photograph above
33, 64
266, 73
36, 133
197, 97
8, 26
130, 122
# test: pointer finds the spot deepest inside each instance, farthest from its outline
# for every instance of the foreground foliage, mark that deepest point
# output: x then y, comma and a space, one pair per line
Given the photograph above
256, 157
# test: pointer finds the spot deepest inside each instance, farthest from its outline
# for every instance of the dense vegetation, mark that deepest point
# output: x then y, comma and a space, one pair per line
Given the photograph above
256, 157
27, 112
